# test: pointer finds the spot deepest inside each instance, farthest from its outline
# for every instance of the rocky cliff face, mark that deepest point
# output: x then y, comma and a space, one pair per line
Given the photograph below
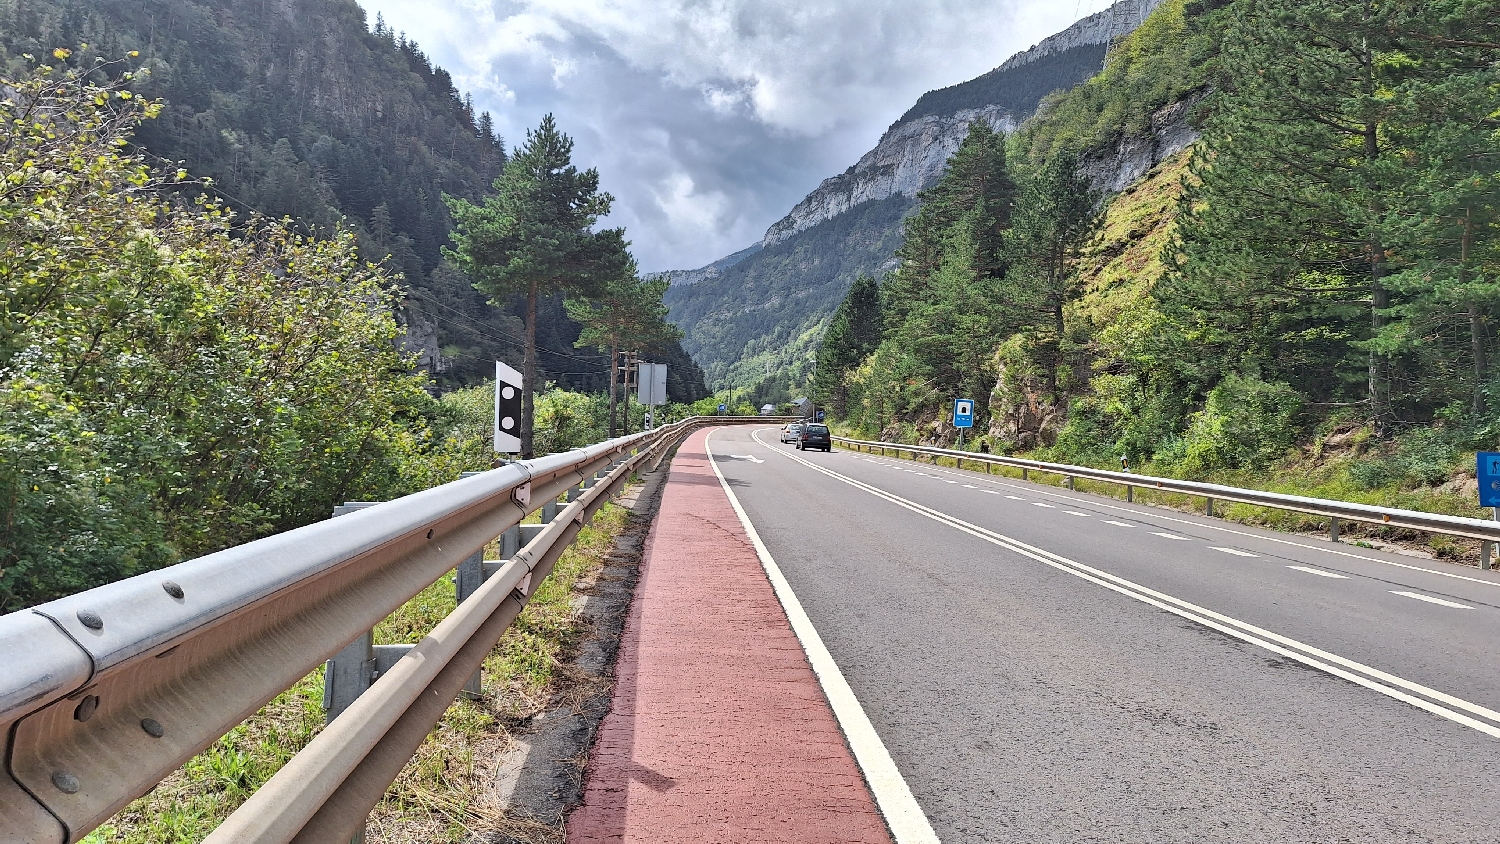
911, 155
1130, 157
909, 158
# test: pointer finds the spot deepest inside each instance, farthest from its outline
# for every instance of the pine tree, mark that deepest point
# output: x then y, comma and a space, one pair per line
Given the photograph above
1290, 217
1057, 215
626, 313
533, 236
853, 333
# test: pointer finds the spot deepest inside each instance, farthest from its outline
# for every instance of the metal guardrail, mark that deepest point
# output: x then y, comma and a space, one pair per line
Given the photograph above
1487, 532
106, 692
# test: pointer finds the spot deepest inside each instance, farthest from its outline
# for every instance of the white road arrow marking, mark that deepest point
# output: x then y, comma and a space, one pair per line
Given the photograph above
752, 458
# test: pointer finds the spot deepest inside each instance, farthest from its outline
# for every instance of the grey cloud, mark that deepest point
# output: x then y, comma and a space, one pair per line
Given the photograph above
709, 120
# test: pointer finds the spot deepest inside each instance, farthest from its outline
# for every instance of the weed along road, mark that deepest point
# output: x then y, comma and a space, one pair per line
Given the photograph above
1045, 665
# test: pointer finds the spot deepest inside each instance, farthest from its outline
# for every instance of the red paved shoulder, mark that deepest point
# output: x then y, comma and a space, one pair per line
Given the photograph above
719, 731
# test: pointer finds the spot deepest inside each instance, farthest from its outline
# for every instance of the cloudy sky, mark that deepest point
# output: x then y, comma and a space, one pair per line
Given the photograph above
709, 119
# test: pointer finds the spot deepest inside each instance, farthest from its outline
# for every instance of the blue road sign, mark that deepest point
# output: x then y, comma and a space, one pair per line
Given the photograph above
1489, 478
723, 407
963, 413
820, 416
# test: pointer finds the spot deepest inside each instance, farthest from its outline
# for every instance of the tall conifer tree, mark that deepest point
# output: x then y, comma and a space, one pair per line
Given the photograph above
534, 237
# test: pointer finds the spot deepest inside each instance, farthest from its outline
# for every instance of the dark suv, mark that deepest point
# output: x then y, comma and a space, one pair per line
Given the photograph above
814, 436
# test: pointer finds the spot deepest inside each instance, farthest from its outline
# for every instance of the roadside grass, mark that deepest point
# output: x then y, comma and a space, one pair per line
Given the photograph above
1330, 479
441, 794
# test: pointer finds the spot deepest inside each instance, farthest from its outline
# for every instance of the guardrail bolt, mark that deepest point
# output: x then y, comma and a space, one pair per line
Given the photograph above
171, 588
66, 782
90, 619
152, 727
86, 708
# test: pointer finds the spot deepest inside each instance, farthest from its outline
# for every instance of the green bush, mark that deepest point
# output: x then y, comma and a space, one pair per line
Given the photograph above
1245, 423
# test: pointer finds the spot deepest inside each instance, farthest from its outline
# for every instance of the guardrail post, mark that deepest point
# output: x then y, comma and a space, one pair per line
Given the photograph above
1129, 493
349, 673
1486, 547
1208, 507
466, 581
1070, 482
510, 542
1333, 529
1025, 474
549, 511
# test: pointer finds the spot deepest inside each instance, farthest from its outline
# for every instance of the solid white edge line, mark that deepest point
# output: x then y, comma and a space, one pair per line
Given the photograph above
903, 815
1431, 600
1161, 514
1308, 655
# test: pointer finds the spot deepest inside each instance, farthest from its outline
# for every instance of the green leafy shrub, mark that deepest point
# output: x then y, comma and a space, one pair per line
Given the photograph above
1245, 423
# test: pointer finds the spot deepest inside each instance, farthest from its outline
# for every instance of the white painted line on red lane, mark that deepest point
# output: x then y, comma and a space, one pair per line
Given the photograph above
904, 816
1431, 600
1235, 551
1320, 572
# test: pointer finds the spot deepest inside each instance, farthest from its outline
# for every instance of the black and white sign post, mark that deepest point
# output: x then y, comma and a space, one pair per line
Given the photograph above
651, 389
507, 410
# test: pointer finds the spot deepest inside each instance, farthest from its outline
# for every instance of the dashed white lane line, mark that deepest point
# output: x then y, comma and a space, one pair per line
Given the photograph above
1040, 504
988, 491
1175, 536
1076, 513
970, 486
1331, 663
1321, 548
1118, 524
1015, 498
1235, 551
1320, 572
1431, 600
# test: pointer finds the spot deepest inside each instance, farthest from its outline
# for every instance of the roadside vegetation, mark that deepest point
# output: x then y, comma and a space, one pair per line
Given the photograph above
1303, 300
442, 795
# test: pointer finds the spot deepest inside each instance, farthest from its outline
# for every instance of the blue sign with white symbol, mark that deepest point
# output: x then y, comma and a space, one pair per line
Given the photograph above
963, 413
1489, 478
723, 407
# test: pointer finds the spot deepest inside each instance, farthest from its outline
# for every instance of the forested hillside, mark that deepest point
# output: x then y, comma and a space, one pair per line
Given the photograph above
1321, 267
758, 319
302, 109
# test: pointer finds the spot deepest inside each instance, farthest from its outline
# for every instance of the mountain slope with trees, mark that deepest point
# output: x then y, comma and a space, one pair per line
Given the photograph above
1315, 279
303, 109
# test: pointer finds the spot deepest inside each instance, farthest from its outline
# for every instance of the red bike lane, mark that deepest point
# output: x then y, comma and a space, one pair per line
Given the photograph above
718, 730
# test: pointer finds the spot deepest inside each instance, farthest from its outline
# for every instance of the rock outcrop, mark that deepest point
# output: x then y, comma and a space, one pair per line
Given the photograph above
1131, 156
909, 158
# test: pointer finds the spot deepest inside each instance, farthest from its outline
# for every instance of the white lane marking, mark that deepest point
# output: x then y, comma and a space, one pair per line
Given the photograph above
970, 486
1431, 600
1325, 549
988, 491
1320, 572
752, 458
904, 816
1015, 498
946, 481
1118, 524
1076, 513
1374, 679
1040, 504
1235, 551
1175, 536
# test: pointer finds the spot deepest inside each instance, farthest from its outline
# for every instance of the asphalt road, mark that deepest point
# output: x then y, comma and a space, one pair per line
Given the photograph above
1045, 665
